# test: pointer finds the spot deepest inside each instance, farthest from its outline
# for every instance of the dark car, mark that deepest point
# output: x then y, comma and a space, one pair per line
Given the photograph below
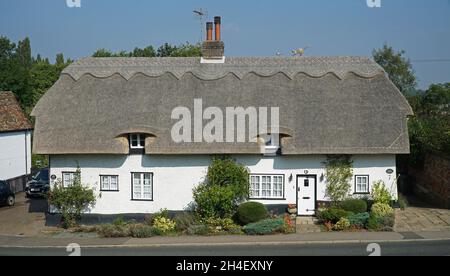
39, 185
6, 195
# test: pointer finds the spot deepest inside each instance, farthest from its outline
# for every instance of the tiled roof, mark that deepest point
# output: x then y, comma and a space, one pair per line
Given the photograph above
12, 117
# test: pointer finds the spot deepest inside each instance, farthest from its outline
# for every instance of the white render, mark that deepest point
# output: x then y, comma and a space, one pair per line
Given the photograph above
174, 177
15, 154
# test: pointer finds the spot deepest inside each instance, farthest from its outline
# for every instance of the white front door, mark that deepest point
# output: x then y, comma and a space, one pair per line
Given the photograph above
306, 195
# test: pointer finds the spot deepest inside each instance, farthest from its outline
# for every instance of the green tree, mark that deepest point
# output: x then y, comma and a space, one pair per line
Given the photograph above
397, 66
429, 130
339, 172
146, 52
23, 53
60, 59
225, 187
72, 201
102, 53
166, 50
187, 50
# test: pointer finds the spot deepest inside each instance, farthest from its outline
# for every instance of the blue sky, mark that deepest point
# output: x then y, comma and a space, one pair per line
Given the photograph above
251, 27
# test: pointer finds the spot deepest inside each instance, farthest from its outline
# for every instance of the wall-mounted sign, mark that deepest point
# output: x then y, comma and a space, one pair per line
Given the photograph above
390, 171
53, 177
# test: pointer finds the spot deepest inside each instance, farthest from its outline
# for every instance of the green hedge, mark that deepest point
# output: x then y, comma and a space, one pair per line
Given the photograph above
265, 227
359, 220
251, 212
333, 215
356, 206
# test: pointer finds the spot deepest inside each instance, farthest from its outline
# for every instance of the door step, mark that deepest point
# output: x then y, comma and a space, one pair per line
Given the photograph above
307, 225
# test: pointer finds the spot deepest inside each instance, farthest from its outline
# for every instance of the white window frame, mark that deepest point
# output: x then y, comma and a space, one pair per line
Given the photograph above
359, 185
267, 186
106, 183
140, 138
68, 178
138, 186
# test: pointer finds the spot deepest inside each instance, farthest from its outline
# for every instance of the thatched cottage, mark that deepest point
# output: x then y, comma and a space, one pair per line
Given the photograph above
114, 118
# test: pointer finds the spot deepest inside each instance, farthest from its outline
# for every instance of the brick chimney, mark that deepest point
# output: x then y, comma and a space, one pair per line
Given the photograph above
213, 50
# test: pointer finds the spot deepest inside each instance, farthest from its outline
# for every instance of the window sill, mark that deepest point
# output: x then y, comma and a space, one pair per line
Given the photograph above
114, 191
368, 193
271, 151
268, 199
144, 200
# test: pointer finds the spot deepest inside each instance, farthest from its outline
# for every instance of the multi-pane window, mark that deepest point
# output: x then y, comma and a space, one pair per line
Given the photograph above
109, 182
137, 141
278, 186
255, 185
362, 184
267, 186
142, 186
68, 178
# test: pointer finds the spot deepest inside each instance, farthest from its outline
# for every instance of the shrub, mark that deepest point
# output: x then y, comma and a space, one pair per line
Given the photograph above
402, 202
265, 227
226, 172
71, 201
332, 215
184, 221
381, 223
218, 225
381, 210
328, 226
342, 225
162, 225
140, 231
198, 230
251, 212
289, 225
119, 222
214, 201
225, 187
339, 171
356, 206
359, 220
163, 213
113, 231
380, 193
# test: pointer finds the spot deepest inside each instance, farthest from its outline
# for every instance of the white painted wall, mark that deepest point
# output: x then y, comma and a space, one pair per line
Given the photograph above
176, 176
15, 154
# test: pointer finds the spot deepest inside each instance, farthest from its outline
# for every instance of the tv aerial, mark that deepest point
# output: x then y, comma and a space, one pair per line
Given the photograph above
201, 14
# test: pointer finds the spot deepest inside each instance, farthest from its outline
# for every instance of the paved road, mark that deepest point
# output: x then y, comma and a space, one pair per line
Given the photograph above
416, 248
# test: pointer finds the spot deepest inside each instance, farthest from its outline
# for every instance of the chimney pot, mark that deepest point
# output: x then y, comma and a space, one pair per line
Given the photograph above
213, 50
209, 31
218, 22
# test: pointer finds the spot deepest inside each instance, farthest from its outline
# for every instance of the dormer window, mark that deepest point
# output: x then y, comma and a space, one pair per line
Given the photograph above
137, 141
272, 141
272, 144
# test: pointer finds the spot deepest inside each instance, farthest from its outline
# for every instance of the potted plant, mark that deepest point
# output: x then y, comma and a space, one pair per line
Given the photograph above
292, 209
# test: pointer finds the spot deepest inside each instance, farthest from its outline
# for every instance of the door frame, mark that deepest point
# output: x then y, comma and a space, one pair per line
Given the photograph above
315, 192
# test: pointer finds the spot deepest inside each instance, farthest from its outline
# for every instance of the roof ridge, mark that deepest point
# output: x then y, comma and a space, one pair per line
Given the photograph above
239, 66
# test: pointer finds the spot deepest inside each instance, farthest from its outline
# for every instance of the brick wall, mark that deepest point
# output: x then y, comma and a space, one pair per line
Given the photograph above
433, 182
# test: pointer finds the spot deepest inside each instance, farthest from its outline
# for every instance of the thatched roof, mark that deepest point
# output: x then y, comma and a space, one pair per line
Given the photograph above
12, 117
328, 105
